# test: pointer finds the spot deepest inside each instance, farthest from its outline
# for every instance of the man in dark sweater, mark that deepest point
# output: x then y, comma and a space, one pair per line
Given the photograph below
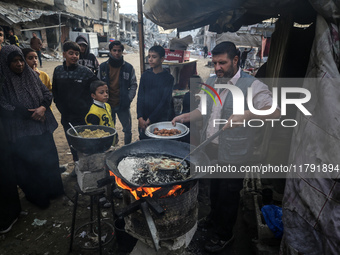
71, 89
155, 92
244, 56
36, 44
121, 79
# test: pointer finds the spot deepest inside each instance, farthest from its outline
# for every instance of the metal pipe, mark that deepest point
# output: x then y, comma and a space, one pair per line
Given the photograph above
99, 227
108, 9
39, 28
141, 36
151, 225
73, 220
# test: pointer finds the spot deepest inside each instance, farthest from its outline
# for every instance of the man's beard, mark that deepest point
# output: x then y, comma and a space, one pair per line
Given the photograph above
227, 75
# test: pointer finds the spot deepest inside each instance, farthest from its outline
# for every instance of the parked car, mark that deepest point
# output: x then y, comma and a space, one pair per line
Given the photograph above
103, 49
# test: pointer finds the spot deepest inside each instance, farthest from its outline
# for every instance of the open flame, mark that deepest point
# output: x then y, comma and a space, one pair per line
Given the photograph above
173, 191
144, 191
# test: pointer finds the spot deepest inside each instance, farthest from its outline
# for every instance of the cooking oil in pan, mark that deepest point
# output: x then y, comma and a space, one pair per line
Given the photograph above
155, 169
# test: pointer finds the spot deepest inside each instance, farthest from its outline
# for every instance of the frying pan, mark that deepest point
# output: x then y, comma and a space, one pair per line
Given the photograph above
158, 147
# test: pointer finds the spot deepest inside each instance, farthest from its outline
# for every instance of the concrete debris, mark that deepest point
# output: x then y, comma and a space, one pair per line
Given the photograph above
14, 14
45, 55
82, 234
38, 222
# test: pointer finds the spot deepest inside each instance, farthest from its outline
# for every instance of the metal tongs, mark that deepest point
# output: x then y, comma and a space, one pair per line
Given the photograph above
201, 146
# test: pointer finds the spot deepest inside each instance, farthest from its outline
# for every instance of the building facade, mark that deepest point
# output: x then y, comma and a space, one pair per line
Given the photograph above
52, 20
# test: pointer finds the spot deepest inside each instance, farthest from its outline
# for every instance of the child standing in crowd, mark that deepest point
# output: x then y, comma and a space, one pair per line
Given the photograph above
31, 58
155, 92
71, 90
86, 58
100, 112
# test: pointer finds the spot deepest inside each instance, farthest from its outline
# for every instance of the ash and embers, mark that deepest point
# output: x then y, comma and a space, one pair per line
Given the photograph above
141, 170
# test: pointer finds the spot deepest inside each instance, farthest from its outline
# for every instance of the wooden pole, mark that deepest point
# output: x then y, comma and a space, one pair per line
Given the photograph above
141, 36
60, 46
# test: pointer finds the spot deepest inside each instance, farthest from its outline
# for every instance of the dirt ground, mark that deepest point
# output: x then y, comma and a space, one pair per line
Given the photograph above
47, 232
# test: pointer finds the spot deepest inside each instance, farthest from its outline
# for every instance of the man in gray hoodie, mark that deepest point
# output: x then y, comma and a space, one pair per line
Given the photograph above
86, 58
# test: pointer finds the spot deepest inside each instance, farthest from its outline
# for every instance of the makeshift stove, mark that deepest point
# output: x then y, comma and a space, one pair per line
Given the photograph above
164, 216
91, 151
91, 168
95, 233
161, 207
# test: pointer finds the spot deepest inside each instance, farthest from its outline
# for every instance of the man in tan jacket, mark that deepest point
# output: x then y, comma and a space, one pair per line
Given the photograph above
36, 45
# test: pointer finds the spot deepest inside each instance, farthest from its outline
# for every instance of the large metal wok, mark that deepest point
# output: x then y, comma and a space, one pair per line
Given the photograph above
158, 147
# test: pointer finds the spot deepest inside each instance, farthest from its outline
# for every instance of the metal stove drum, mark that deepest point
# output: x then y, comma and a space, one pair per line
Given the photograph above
161, 215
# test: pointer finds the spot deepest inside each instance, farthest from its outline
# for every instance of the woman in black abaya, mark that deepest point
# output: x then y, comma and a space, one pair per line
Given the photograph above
9, 198
29, 125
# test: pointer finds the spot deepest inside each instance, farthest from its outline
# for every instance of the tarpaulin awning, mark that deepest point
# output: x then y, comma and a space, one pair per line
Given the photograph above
241, 39
222, 15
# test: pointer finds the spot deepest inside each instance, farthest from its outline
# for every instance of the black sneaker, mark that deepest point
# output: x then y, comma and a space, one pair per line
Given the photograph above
5, 230
215, 244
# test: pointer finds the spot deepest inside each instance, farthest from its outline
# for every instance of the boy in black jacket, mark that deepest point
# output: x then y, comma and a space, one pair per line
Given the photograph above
71, 89
155, 92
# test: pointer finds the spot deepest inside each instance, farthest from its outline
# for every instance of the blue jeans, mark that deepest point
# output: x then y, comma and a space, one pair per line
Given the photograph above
39, 57
124, 117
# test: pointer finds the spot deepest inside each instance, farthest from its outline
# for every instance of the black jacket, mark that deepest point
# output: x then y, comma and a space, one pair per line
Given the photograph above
155, 96
71, 92
127, 82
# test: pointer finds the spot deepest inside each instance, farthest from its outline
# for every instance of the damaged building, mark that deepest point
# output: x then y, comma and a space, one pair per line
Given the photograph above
53, 20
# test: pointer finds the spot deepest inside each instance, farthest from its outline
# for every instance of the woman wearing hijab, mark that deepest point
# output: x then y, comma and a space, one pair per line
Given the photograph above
9, 198
29, 124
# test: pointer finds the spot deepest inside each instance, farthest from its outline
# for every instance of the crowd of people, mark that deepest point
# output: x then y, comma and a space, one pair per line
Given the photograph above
86, 93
